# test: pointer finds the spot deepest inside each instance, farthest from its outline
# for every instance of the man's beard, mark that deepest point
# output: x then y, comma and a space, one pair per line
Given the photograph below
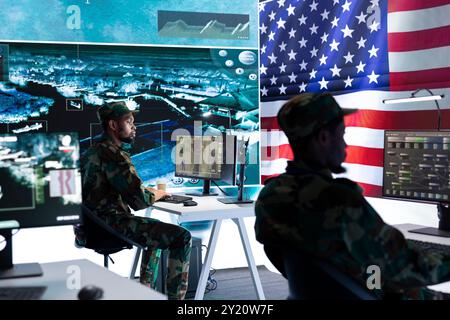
127, 140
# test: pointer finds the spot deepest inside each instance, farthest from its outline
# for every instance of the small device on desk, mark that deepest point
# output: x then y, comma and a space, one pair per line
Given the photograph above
174, 198
189, 203
417, 168
90, 292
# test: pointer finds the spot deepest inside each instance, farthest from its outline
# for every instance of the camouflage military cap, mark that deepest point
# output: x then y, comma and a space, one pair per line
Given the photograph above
113, 111
306, 113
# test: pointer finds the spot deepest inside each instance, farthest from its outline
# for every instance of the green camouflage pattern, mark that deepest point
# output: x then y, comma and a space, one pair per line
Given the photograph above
157, 236
113, 110
110, 182
306, 113
110, 187
330, 219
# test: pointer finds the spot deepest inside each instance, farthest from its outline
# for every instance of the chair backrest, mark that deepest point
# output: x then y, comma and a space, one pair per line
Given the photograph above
101, 237
310, 278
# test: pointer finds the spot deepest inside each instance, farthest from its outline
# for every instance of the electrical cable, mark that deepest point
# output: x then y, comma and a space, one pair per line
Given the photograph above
211, 283
220, 188
12, 235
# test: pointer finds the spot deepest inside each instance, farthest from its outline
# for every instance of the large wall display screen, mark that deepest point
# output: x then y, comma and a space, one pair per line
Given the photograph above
59, 87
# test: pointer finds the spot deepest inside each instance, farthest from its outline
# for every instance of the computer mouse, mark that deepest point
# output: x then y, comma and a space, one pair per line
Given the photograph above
189, 203
90, 292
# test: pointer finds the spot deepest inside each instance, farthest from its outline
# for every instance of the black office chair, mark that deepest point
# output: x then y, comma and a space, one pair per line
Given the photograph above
310, 278
104, 239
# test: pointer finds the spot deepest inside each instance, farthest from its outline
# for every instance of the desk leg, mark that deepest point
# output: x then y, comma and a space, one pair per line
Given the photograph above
137, 253
251, 262
208, 259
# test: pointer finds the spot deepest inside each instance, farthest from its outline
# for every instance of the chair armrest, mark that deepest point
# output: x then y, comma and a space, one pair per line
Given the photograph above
346, 281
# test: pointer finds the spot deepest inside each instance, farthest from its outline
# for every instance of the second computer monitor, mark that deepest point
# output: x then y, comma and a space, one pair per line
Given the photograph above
40, 181
40, 186
206, 157
416, 165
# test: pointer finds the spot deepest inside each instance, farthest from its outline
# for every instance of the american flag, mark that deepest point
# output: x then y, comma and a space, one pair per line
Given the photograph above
362, 51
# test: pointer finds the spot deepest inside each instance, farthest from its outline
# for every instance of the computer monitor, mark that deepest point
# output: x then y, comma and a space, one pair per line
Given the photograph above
207, 158
416, 168
40, 185
242, 160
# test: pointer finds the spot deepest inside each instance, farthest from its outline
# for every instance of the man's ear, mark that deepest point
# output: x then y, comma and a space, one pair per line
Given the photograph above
112, 125
323, 137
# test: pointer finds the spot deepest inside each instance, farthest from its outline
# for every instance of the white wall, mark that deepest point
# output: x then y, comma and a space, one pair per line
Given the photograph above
57, 243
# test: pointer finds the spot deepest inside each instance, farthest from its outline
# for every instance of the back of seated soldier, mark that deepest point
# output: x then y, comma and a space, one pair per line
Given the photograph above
306, 208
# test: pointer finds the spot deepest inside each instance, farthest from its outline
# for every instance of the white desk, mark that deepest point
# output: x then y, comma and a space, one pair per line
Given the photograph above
209, 208
404, 229
57, 279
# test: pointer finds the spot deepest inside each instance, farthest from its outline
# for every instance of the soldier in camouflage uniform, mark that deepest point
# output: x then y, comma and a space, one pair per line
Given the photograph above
306, 208
111, 185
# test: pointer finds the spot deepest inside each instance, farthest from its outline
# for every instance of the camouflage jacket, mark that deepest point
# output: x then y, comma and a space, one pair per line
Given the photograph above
110, 182
330, 219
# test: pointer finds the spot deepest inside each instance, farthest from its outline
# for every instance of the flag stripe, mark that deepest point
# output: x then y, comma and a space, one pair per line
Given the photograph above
419, 40
371, 190
264, 178
357, 172
392, 120
361, 155
435, 78
364, 137
283, 151
419, 60
409, 5
354, 136
366, 156
269, 123
368, 100
273, 138
273, 166
407, 21
364, 173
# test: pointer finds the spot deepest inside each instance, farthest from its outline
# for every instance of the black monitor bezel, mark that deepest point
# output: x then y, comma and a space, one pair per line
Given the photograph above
406, 198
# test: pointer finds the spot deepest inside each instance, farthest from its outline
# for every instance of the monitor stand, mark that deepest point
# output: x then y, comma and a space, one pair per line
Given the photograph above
206, 190
240, 198
444, 223
234, 200
9, 270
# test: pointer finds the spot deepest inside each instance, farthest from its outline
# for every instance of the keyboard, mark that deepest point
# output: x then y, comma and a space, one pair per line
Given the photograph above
176, 199
430, 247
21, 293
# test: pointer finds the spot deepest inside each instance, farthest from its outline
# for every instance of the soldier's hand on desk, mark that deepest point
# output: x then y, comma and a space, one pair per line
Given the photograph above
159, 194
